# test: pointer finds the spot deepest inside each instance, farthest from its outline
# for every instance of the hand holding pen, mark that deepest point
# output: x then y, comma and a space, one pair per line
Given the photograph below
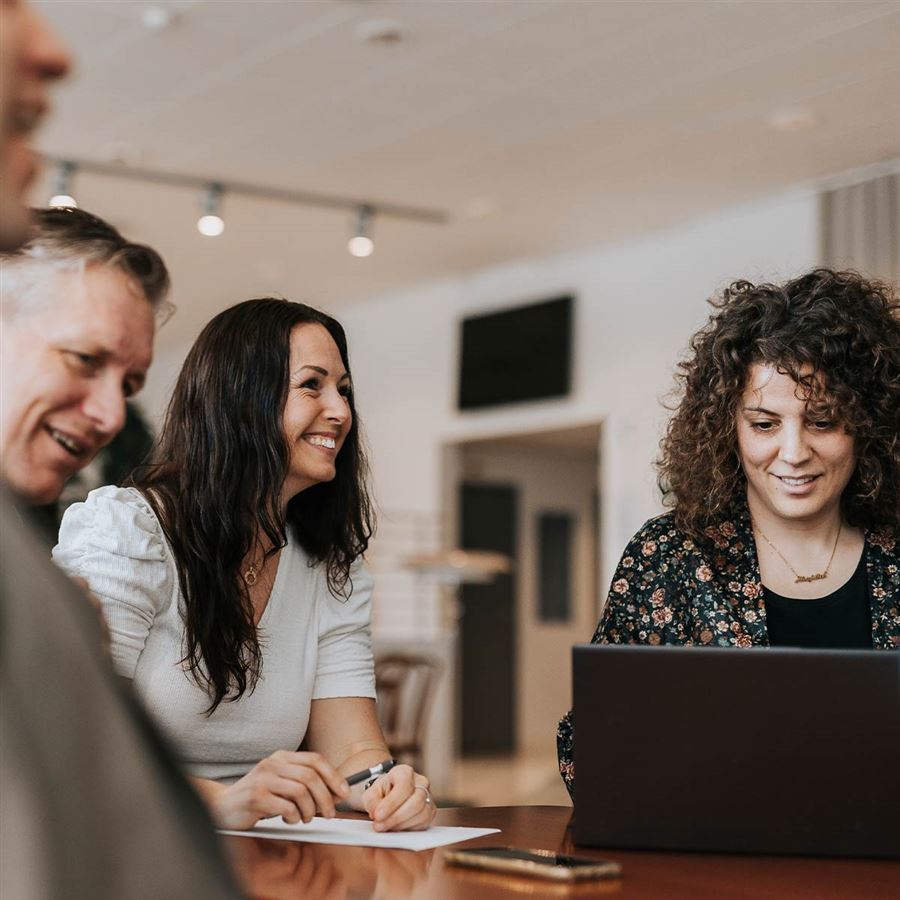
371, 773
399, 799
299, 785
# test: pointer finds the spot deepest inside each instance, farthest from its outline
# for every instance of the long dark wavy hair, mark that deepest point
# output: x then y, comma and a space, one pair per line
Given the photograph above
835, 333
215, 477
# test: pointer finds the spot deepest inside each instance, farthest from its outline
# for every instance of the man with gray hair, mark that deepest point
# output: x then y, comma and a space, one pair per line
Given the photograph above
77, 316
92, 804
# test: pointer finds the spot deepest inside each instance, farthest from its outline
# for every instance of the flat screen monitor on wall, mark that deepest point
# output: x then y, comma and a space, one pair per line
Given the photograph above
517, 354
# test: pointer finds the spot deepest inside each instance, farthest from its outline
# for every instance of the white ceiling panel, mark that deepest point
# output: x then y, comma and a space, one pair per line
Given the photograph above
567, 123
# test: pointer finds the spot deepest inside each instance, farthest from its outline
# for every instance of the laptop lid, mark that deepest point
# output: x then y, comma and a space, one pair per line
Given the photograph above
765, 750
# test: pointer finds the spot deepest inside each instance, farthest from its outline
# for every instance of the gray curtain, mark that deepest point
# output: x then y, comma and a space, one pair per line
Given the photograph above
861, 227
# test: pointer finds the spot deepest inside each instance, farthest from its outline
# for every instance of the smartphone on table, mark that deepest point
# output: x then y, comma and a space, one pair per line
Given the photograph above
537, 863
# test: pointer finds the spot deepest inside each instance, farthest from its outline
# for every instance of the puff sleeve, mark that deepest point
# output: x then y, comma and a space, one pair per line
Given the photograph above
345, 666
115, 543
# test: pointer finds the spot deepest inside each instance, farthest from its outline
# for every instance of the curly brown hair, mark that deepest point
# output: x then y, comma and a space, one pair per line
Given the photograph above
835, 333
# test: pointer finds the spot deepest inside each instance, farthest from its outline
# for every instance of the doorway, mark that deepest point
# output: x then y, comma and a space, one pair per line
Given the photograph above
488, 514
533, 496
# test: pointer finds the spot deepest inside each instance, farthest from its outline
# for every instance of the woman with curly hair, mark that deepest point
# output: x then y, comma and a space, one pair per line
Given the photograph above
231, 576
782, 467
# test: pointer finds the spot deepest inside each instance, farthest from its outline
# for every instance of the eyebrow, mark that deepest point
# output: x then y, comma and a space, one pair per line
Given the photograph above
766, 412
104, 354
321, 371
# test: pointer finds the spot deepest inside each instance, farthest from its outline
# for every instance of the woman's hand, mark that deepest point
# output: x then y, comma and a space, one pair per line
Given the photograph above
400, 801
289, 784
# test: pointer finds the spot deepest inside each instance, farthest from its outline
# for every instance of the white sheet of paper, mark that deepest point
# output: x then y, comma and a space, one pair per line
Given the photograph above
359, 833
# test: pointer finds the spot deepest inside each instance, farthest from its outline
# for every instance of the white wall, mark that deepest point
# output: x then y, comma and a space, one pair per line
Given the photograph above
637, 304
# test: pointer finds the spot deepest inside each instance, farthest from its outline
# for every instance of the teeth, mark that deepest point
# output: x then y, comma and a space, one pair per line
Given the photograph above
318, 441
796, 482
65, 440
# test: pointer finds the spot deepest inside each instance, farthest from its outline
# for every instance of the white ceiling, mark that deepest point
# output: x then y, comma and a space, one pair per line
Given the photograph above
559, 124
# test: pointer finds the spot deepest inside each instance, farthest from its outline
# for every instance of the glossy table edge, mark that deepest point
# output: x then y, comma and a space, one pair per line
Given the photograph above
645, 874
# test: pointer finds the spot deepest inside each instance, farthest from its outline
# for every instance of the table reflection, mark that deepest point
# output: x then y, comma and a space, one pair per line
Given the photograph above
277, 870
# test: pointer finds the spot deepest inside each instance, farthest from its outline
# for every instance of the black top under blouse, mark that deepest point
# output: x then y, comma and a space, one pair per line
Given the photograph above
841, 620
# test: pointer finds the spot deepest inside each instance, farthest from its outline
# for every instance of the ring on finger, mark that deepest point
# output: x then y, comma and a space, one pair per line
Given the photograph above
421, 787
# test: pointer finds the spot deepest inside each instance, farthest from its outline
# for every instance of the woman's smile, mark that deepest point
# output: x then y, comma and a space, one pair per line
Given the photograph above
322, 441
797, 485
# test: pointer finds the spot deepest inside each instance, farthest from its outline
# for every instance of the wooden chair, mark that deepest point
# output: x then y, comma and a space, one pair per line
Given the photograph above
405, 684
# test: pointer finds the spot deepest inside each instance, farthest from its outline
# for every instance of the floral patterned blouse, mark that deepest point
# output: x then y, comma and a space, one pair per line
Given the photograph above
669, 589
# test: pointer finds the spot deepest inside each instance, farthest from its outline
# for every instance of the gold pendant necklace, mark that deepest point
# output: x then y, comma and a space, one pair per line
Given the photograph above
251, 576
798, 578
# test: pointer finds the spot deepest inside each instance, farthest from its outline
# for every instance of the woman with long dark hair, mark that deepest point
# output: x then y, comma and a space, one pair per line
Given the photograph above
230, 572
782, 467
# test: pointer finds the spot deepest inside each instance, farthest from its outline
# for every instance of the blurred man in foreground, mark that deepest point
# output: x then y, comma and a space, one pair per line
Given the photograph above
92, 804
31, 58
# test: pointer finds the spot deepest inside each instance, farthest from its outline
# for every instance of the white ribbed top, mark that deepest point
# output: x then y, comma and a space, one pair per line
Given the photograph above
313, 645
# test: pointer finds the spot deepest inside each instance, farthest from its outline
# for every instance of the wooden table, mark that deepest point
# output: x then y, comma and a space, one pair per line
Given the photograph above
283, 869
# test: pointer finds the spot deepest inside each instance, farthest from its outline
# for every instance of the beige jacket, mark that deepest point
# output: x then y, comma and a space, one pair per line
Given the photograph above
92, 804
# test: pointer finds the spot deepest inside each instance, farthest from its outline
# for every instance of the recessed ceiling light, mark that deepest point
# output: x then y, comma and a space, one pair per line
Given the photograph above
157, 17
794, 118
380, 31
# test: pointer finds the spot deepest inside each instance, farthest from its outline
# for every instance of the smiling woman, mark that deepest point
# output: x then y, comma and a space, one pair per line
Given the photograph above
782, 465
231, 575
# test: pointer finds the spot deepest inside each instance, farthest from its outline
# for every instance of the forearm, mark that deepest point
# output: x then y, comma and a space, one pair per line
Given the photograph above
209, 791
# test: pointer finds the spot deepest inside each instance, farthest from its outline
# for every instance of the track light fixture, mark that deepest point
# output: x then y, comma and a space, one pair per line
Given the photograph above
361, 244
62, 185
211, 223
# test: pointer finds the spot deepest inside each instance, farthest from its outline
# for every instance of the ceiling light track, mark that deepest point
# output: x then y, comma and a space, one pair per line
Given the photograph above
257, 191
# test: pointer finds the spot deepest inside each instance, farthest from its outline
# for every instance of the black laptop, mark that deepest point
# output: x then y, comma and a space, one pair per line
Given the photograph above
739, 750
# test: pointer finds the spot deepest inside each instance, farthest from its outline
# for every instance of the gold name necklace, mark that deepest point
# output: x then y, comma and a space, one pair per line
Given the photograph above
798, 578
